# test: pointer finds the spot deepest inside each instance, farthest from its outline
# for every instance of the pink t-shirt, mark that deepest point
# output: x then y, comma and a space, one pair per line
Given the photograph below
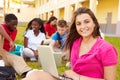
92, 63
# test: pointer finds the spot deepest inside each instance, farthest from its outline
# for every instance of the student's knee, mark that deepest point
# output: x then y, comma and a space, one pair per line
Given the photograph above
38, 75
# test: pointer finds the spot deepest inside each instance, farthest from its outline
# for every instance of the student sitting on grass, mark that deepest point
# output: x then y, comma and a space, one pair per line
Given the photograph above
9, 26
10, 60
50, 26
34, 36
58, 38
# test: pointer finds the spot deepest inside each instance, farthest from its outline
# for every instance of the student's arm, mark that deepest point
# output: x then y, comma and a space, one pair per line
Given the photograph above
47, 36
46, 27
52, 44
109, 74
25, 42
5, 35
65, 55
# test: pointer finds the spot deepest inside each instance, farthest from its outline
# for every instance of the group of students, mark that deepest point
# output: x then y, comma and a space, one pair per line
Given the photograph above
91, 57
37, 32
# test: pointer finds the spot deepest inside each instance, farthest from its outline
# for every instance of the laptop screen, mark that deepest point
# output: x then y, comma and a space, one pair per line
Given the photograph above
47, 60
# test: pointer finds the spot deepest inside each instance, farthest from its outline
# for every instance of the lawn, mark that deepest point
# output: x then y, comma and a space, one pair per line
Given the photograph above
113, 40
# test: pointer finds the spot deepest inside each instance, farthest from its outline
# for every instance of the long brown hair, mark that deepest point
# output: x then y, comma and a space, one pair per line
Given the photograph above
52, 18
73, 34
39, 21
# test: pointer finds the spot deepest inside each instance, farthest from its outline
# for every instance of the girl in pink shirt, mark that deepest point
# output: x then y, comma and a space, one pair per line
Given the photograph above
91, 64
91, 57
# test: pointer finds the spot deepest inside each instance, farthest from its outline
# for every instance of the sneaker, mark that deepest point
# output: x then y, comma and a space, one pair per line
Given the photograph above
33, 59
68, 65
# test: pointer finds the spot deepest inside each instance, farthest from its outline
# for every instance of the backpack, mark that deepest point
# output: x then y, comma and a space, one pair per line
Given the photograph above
7, 73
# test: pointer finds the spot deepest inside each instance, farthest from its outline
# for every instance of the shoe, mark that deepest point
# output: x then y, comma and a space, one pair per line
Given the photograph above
33, 59
68, 65
25, 73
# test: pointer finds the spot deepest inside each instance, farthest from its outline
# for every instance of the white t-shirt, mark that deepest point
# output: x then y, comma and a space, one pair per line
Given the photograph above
34, 41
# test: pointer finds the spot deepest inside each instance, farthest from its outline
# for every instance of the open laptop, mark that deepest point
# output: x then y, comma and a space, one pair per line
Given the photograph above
48, 62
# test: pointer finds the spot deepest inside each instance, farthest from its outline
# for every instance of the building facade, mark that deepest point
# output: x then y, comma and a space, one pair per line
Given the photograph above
25, 10
106, 11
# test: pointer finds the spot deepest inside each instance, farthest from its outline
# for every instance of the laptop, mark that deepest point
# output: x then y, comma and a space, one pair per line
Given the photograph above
47, 60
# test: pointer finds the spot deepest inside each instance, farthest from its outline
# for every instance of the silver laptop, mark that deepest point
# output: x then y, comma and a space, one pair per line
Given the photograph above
47, 60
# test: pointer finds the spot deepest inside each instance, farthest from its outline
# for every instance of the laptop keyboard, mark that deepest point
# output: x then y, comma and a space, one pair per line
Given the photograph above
62, 77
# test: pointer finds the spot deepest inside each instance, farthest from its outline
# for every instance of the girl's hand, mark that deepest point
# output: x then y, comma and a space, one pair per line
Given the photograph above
71, 74
36, 54
12, 46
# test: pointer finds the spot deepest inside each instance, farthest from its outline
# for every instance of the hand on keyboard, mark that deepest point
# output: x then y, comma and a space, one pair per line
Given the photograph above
62, 77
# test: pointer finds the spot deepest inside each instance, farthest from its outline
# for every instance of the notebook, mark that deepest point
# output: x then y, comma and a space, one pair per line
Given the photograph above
47, 60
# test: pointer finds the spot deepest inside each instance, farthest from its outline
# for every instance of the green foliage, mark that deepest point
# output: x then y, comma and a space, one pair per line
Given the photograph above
115, 41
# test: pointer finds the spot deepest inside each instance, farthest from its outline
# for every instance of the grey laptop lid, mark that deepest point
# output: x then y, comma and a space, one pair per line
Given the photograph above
47, 60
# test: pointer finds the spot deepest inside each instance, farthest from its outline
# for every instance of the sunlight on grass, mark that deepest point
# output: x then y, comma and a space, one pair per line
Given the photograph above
19, 37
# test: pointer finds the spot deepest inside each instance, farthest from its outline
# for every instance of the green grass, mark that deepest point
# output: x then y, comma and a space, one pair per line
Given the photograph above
21, 30
115, 41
